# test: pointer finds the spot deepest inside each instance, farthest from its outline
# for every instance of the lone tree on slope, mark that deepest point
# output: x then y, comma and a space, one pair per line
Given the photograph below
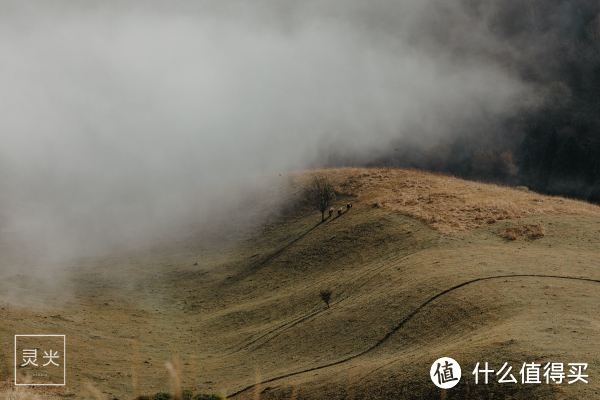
325, 296
321, 194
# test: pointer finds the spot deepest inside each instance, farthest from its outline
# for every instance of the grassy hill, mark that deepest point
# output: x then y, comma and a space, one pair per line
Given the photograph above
422, 266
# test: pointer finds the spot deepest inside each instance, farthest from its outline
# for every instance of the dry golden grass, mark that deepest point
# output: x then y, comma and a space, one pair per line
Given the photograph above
528, 231
234, 321
9, 391
445, 203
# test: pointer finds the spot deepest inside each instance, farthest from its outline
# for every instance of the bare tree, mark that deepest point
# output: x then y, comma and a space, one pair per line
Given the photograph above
321, 194
326, 296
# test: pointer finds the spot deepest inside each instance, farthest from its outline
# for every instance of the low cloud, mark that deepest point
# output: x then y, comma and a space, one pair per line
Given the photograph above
122, 121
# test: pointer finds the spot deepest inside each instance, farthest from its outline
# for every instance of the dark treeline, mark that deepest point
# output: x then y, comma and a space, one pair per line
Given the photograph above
553, 146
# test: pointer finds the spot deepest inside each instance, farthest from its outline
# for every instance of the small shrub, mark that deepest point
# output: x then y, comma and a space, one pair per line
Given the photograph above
202, 396
535, 231
185, 395
529, 231
325, 296
509, 234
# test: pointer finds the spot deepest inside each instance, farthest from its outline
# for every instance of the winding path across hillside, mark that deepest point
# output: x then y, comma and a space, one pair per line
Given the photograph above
404, 321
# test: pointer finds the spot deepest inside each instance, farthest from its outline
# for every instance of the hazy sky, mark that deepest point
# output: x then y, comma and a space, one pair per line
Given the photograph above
121, 119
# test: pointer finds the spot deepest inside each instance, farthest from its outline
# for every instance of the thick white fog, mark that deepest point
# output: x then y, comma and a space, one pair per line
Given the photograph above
121, 120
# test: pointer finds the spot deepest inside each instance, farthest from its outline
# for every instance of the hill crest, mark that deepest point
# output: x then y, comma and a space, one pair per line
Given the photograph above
447, 204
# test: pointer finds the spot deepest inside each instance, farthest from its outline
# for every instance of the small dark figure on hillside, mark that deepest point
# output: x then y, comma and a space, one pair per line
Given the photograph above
326, 296
340, 211
331, 210
349, 206
321, 194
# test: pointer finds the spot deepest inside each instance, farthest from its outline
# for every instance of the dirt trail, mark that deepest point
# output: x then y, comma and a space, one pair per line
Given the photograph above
404, 321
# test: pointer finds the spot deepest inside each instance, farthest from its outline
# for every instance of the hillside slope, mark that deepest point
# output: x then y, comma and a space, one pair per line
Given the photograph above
422, 266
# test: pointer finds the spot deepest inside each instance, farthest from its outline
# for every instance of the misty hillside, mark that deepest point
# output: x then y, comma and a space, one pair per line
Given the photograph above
421, 265
278, 199
126, 110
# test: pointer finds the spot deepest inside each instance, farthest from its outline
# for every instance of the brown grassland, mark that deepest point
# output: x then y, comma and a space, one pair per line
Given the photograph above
423, 266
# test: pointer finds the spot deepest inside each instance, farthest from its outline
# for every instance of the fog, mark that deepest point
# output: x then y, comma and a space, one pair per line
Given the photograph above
122, 121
